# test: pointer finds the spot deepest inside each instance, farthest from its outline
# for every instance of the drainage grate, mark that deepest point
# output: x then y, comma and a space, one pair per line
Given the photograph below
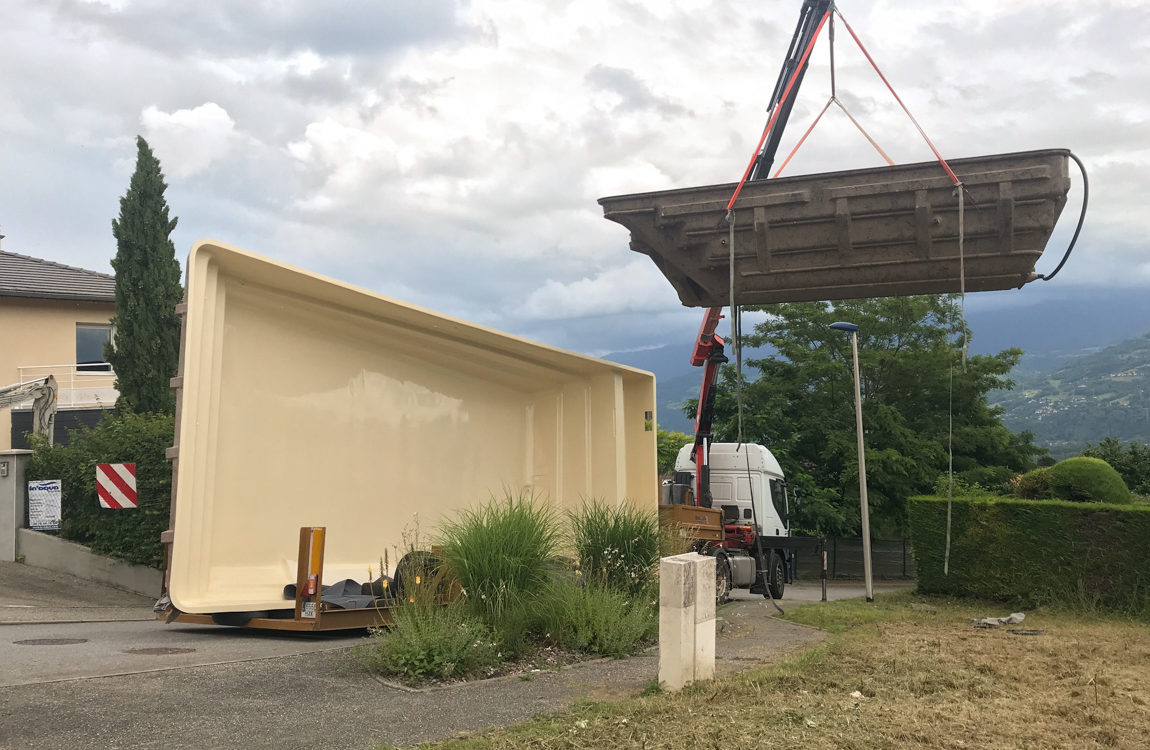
50, 641
1021, 631
159, 651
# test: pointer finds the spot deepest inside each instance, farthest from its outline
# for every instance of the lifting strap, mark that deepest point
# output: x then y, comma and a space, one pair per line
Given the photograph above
959, 189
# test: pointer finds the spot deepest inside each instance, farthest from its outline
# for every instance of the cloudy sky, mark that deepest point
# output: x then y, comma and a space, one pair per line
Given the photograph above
451, 153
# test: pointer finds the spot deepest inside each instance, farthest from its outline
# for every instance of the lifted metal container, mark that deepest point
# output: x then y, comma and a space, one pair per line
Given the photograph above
306, 403
882, 232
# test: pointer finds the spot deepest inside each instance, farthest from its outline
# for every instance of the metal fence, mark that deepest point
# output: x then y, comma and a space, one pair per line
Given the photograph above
890, 558
79, 385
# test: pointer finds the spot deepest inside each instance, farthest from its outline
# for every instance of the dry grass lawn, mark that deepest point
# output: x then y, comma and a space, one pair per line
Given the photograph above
907, 672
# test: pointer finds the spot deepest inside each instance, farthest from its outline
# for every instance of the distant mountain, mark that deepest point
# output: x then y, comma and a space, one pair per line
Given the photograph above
1097, 395
676, 380
1051, 323
1054, 324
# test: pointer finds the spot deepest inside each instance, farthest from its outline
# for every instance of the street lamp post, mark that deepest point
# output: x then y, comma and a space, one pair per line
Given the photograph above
854, 332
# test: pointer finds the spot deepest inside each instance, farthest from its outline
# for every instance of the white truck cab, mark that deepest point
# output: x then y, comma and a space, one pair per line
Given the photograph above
742, 474
746, 483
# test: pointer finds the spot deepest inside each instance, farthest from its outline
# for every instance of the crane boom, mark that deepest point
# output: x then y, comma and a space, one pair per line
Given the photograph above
708, 351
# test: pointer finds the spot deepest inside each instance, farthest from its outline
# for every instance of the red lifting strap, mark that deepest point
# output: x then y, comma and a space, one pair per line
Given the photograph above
778, 108
942, 161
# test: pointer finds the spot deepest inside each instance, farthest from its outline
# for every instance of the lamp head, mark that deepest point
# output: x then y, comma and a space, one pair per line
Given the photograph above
848, 327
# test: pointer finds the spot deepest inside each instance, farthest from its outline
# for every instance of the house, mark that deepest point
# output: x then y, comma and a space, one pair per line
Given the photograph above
55, 320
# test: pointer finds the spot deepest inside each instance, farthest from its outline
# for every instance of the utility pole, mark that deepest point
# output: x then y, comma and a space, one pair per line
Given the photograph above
865, 511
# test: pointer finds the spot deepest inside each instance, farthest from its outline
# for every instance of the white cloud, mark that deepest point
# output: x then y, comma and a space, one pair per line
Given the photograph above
188, 141
634, 287
452, 152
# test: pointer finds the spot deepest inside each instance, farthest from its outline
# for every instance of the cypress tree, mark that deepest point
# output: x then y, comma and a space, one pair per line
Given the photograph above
145, 351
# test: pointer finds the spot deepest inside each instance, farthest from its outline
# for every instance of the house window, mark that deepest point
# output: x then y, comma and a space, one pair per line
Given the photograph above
90, 340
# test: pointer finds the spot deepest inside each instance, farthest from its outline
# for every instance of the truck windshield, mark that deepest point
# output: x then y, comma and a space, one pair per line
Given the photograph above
778, 498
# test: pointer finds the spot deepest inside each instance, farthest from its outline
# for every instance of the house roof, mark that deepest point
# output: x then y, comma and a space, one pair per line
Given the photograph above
22, 276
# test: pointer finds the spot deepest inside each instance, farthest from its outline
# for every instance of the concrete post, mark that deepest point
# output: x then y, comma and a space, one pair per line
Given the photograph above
686, 619
11, 500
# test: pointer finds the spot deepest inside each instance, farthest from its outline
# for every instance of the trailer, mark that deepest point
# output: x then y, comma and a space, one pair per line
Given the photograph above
307, 407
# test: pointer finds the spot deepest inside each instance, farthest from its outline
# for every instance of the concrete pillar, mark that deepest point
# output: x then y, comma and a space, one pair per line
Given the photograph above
11, 500
686, 619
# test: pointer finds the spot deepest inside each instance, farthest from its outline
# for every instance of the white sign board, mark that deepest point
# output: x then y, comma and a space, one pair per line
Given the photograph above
44, 505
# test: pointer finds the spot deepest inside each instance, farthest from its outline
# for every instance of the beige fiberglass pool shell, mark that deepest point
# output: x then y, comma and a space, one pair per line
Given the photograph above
879, 232
308, 402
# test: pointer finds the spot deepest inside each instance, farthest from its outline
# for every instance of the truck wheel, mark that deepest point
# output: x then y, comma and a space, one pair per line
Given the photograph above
776, 575
722, 580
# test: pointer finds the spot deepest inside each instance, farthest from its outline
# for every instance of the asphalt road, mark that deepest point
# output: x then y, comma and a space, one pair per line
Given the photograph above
100, 673
33, 654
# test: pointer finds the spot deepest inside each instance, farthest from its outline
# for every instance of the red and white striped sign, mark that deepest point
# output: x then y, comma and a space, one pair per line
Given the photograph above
116, 485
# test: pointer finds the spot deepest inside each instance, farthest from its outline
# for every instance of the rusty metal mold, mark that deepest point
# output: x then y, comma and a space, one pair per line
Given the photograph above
881, 232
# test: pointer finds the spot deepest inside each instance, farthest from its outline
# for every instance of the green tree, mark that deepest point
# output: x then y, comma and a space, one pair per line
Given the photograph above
669, 443
145, 350
802, 406
1133, 463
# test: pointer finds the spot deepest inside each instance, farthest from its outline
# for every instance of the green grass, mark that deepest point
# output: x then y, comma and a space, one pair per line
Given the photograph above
431, 641
616, 545
502, 553
906, 671
598, 619
835, 617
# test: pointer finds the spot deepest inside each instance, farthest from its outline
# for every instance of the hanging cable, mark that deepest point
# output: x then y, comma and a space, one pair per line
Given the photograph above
764, 573
1081, 218
736, 324
950, 474
962, 264
831, 39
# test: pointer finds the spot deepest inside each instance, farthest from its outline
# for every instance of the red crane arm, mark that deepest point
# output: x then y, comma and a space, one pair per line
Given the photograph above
709, 355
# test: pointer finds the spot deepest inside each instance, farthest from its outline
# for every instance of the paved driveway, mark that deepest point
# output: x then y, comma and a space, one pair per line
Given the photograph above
128, 681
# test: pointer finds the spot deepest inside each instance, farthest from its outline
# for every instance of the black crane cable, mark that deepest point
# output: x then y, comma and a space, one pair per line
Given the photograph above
1081, 218
763, 575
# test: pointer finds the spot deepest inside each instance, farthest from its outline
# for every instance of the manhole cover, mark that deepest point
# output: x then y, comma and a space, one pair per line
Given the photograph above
50, 641
159, 651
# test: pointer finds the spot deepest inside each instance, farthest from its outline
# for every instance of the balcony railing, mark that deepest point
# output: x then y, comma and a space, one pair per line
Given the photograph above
89, 385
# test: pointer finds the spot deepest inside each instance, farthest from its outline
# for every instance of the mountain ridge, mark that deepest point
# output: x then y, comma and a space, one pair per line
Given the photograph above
1052, 325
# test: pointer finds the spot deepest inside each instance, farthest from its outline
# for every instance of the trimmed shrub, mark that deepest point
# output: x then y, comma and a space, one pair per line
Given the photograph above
1035, 552
598, 619
130, 535
1084, 479
1034, 485
431, 641
616, 546
502, 553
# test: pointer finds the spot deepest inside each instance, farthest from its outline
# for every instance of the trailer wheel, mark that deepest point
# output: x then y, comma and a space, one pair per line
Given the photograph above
722, 580
776, 575
235, 619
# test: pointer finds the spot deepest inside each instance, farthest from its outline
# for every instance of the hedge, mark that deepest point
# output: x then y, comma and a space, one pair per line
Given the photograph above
1085, 479
1033, 552
130, 535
